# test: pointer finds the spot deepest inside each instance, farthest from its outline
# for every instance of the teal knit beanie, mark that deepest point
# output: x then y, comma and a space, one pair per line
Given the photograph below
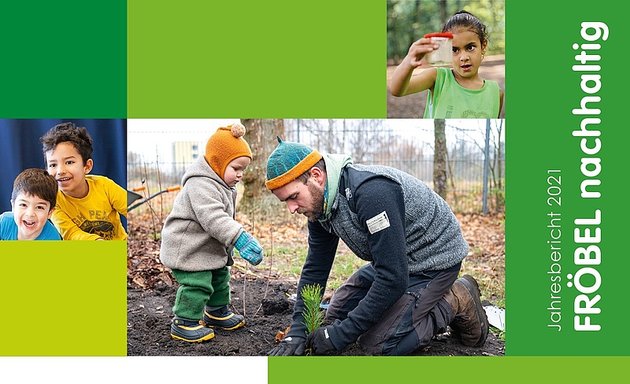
288, 161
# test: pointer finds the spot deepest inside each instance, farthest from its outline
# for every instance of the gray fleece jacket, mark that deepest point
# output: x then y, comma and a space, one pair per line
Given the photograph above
200, 231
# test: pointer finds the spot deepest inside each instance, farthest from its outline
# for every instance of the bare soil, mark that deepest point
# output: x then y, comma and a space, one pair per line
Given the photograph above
262, 294
267, 311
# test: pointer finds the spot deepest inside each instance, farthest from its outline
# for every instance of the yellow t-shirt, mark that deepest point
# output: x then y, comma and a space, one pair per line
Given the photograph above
96, 216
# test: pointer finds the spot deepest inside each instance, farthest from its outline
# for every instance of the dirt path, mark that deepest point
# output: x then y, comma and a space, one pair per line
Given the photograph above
267, 311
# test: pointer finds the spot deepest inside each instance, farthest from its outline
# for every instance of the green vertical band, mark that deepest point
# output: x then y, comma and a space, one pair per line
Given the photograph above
64, 59
548, 309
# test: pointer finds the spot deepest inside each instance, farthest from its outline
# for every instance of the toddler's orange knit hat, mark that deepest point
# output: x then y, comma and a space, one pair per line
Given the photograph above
225, 145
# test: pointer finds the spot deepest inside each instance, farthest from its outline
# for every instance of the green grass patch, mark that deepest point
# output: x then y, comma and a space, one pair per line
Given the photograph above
288, 261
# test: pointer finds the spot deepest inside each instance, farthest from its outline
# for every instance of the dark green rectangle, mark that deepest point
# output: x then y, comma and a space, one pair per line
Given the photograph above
63, 58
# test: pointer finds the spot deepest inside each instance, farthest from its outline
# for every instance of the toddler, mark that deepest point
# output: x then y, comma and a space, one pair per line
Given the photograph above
200, 233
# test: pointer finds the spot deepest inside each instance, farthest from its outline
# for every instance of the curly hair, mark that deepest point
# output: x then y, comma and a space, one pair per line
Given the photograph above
69, 132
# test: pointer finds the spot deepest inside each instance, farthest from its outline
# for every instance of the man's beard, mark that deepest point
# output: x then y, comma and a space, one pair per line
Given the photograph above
318, 200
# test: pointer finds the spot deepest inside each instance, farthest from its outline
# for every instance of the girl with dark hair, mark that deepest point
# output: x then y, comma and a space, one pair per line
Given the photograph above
457, 92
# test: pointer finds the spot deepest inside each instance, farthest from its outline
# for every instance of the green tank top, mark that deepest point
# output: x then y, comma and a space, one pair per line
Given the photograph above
451, 100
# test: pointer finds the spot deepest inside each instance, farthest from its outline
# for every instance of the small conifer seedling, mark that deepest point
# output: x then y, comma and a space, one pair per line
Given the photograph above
313, 316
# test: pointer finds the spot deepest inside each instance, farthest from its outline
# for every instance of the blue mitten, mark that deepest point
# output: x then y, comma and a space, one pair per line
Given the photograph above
249, 248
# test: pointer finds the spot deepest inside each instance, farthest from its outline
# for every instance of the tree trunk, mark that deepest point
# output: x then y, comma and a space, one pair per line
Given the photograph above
261, 136
439, 159
443, 11
415, 19
500, 198
449, 163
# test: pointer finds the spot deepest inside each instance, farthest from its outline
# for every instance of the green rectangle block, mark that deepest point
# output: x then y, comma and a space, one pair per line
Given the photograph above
264, 59
63, 59
444, 369
552, 292
63, 298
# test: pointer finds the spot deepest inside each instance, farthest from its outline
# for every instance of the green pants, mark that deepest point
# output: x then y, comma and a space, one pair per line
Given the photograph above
198, 289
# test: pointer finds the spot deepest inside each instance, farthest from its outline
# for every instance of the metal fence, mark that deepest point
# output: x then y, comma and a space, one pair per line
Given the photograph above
475, 153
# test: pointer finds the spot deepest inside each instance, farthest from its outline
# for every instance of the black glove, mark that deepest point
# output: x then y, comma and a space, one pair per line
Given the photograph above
320, 343
289, 346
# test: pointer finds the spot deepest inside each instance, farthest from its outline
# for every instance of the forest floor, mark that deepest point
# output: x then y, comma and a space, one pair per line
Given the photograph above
262, 294
412, 106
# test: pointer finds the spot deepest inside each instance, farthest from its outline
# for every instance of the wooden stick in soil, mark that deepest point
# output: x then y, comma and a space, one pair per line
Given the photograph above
245, 287
247, 267
268, 272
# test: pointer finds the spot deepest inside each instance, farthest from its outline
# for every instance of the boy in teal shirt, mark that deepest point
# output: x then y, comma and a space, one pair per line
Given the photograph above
32, 201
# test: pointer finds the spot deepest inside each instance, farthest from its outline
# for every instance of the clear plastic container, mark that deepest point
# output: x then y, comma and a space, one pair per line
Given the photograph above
443, 55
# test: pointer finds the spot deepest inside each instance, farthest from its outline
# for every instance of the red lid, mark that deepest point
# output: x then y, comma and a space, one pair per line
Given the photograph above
439, 34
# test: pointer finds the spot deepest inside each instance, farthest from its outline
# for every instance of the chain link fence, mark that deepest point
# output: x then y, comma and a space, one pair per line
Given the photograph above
475, 153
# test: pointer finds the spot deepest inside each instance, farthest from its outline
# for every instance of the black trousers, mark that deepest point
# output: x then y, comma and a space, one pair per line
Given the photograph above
411, 322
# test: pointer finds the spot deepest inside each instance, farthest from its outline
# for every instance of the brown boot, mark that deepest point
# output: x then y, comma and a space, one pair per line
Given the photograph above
470, 320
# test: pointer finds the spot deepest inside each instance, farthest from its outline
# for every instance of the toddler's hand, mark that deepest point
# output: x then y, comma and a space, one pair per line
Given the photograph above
249, 248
